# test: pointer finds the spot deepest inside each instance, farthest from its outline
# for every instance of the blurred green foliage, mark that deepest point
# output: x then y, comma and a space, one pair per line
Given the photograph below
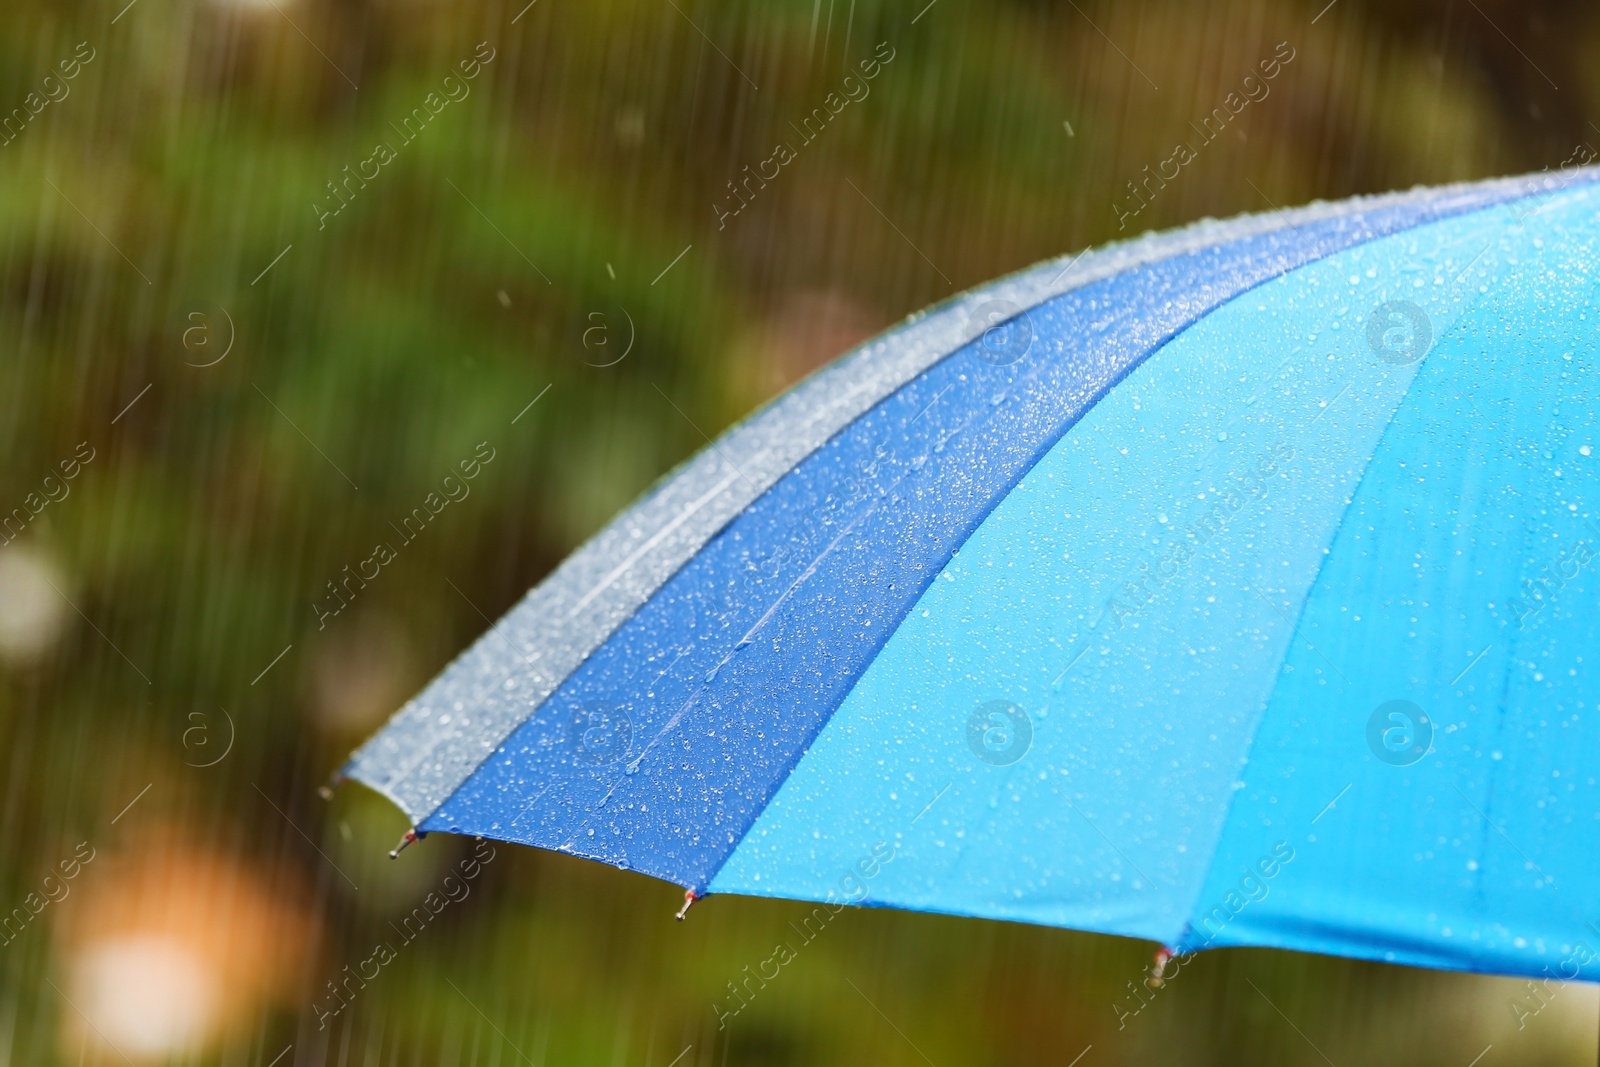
370, 351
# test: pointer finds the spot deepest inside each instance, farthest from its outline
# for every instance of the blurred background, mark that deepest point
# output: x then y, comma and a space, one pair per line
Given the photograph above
269, 269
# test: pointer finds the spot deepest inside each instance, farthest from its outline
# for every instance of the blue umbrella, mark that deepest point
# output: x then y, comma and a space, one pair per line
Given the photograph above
1230, 586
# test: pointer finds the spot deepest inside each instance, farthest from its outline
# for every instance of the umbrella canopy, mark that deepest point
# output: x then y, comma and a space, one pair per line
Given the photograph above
1231, 586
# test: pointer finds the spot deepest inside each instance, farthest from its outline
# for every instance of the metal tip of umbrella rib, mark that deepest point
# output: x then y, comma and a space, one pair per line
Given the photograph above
1158, 970
688, 902
411, 835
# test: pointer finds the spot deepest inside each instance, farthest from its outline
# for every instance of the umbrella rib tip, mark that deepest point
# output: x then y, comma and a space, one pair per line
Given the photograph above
411, 835
689, 898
